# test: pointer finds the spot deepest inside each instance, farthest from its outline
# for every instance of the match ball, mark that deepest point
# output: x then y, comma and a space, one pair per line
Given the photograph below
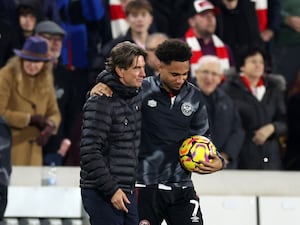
195, 149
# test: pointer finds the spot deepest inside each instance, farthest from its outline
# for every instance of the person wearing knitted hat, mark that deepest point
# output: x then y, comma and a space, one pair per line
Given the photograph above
28, 101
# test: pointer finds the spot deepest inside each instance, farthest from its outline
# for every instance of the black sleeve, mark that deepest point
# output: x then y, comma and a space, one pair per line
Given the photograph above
93, 148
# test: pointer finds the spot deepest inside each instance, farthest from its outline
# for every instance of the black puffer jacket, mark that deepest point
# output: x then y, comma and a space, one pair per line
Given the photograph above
111, 138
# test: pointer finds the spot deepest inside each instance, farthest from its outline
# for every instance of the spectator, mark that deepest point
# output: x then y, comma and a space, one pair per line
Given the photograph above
5, 165
287, 45
262, 109
56, 148
224, 121
152, 42
139, 17
202, 39
238, 25
28, 101
111, 133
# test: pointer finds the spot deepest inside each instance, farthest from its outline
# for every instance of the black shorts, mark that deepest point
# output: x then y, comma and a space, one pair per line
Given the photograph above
179, 206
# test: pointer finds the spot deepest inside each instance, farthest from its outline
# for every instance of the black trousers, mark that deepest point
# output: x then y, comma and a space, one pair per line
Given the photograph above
3, 200
102, 212
177, 206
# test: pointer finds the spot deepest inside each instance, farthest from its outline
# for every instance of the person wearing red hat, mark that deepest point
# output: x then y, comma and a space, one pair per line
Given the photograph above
28, 101
202, 39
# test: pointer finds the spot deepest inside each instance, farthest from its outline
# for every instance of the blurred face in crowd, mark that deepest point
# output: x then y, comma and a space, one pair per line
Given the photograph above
32, 68
203, 24
254, 66
173, 75
134, 75
54, 44
151, 45
27, 22
140, 20
209, 76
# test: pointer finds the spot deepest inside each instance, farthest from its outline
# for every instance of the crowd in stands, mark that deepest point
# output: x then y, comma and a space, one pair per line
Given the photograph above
245, 61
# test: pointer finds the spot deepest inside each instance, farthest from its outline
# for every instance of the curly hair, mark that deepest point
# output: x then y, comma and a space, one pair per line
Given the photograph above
173, 50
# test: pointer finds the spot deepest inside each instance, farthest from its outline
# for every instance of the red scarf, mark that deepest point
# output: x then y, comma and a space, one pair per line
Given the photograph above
258, 91
118, 23
221, 51
261, 7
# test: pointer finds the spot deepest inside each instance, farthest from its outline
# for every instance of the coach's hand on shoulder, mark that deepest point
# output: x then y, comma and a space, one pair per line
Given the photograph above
119, 199
210, 167
101, 89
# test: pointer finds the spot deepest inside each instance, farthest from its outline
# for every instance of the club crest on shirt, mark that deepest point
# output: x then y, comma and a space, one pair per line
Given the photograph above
187, 109
152, 103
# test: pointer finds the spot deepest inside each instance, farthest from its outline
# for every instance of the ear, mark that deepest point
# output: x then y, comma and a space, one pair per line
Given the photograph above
191, 21
119, 71
159, 66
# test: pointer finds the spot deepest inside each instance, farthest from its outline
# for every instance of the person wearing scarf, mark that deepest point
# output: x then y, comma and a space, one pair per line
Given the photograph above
261, 105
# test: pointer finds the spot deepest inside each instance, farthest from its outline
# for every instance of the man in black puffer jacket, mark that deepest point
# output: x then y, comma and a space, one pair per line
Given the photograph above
111, 139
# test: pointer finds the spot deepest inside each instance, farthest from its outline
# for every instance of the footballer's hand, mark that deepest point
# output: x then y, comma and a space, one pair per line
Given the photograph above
214, 165
101, 89
119, 199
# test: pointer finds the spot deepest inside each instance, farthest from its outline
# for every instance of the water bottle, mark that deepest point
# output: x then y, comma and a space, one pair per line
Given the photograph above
49, 175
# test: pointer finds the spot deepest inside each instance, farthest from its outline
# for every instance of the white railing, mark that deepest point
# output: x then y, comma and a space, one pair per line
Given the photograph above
229, 197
